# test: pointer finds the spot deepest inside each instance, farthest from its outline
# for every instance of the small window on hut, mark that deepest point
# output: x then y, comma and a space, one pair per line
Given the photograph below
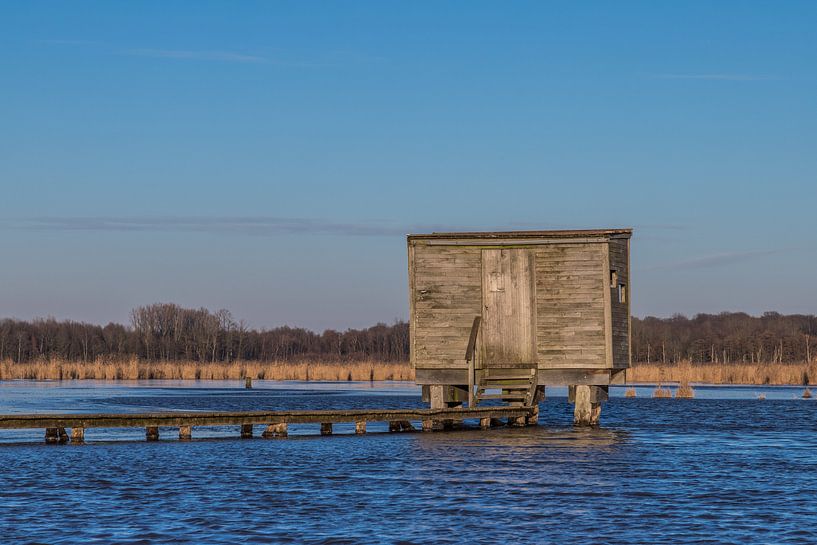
613, 278
622, 293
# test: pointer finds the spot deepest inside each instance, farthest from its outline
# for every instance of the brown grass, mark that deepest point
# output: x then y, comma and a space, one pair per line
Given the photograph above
684, 391
629, 392
806, 393
661, 392
135, 369
719, 373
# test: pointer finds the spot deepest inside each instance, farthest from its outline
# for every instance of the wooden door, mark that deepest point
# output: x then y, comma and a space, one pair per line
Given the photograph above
508, 307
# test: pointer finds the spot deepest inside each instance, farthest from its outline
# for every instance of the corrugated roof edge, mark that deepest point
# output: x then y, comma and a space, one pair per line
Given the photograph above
575, 233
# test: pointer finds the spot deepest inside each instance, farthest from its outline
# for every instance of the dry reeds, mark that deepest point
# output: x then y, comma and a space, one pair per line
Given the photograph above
661, 392
629, 392
806, 393
135, 369
720, 373
761, 397
684, 391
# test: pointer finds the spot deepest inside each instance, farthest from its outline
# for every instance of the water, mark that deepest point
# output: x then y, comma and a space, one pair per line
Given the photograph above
723, 468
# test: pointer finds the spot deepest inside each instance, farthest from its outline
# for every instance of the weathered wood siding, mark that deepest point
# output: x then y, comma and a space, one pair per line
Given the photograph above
508, 310
620, 312
570, 284
446, 295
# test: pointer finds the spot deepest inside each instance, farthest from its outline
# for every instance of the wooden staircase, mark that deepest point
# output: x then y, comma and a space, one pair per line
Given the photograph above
516, 386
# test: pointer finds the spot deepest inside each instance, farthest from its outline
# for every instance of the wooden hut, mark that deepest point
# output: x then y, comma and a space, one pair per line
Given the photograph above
499, 315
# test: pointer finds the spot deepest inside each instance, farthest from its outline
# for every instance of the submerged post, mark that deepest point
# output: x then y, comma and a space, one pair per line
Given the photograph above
152, 433
77, 435
360, 427
484, 423
248, 382
246, 431
587, 400
275, 430
326, 428
185, 433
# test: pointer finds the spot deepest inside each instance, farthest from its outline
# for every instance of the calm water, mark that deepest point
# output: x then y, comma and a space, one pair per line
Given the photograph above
723, 468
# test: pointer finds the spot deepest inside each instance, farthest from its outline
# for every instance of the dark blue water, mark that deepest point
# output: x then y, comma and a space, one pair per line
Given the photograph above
718, 469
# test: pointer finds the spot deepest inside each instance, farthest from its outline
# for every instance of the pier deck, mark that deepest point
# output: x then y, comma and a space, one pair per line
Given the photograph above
276, 421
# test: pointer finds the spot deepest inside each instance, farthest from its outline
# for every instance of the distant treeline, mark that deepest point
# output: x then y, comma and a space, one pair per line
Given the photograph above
167, 332
729, 337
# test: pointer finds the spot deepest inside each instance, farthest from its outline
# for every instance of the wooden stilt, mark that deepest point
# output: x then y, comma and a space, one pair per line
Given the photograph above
52, 436
248, 382
246, 431
484, 423
360, 427
428, 425
517, 422
326, 428
77, 435
275, 430
63, 435
533, 418
587, 409
185, 433
152, 433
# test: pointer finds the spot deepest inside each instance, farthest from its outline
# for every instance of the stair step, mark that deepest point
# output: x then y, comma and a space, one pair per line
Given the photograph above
508, 397
507, 377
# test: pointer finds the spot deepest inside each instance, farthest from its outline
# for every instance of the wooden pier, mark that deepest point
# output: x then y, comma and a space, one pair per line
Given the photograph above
276, 422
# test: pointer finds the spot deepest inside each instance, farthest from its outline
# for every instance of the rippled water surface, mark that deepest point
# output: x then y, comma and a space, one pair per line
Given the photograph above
723, 468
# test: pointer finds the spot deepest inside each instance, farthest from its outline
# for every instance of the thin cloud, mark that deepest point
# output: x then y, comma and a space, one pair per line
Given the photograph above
717, 77
715, 260
256, 226
179, 54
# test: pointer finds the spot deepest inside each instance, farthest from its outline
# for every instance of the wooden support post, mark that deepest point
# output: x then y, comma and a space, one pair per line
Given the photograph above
587, 409
152, 433
63, 435
77, 435
248, 382
428, 425
360, 427
275, 430
533, 418
246, 431
52, 436
394, 425
326, 428
517, 421
484, 423
436, 393
185, 433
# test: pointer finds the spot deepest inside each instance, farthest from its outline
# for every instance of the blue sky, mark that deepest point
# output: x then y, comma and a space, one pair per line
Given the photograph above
268, 157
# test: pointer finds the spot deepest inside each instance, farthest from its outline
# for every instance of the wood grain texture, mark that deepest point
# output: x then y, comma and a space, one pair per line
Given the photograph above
508, 306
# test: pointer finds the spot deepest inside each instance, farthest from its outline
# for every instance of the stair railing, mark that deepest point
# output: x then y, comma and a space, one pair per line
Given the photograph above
470, 356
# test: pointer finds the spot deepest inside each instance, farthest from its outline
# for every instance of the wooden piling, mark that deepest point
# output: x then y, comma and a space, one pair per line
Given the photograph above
517, 421
326, 428
77, 435
275, 430
152, 433
360, 427
185, 433
587, 409
248, 382
428, 425
484, 423
246, 431
52, 436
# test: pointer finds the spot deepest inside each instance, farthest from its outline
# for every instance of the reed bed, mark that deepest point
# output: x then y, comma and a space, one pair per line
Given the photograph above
662, 392
793, 374
684, 391
135, 369
629, 392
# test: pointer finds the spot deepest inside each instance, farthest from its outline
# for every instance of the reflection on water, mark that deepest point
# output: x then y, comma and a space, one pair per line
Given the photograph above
722, 468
